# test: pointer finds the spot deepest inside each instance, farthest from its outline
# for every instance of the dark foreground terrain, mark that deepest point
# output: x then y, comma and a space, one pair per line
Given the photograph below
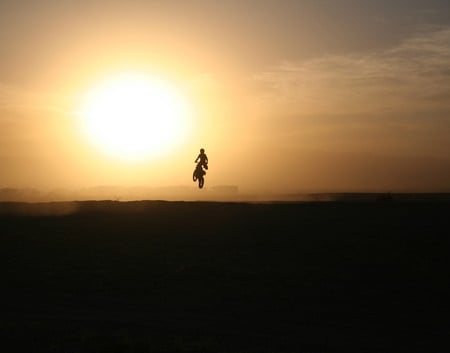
225, 277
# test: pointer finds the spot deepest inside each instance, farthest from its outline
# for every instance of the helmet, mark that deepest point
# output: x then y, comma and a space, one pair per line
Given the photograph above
202, 150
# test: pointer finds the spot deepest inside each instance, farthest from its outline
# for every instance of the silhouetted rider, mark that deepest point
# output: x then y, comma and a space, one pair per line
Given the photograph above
202, 159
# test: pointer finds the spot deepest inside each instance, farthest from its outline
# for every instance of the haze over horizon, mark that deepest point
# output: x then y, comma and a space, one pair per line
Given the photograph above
283, 95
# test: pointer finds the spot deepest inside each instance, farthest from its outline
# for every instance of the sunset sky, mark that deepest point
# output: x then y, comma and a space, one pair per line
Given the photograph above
286, 96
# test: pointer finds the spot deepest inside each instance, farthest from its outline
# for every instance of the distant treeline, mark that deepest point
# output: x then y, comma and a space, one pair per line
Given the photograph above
214, 193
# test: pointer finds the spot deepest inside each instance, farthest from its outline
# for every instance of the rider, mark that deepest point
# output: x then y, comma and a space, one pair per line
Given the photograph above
202, 159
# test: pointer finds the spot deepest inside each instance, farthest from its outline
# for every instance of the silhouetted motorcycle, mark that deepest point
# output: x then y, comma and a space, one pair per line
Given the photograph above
198, 175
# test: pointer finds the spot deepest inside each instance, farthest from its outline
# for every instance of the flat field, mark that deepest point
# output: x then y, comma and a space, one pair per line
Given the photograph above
155, 276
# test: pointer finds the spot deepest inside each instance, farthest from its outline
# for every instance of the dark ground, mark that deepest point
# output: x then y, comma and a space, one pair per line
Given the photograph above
225, 277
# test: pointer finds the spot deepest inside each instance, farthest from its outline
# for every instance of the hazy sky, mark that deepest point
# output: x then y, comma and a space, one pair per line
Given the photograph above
337, 95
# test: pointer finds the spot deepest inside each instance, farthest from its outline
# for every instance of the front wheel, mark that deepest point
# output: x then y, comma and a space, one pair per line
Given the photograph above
194, 176
201, 182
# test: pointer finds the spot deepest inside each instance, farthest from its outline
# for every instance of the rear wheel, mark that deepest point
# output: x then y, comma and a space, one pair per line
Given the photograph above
201, 181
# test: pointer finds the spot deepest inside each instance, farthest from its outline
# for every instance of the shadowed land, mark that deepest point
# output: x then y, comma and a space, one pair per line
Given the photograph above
224, 277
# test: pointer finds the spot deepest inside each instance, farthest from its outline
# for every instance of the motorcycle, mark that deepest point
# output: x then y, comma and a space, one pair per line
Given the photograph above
198, 175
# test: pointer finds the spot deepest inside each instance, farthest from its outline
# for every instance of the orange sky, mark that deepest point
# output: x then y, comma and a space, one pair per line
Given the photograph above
285, 96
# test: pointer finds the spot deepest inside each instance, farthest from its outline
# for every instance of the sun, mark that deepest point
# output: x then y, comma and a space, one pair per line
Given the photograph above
134, 117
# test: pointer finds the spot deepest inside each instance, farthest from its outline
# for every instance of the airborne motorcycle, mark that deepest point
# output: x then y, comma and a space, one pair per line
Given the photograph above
199, 174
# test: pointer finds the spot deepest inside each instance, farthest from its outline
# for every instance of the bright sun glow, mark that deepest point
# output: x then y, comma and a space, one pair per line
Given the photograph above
134, 117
